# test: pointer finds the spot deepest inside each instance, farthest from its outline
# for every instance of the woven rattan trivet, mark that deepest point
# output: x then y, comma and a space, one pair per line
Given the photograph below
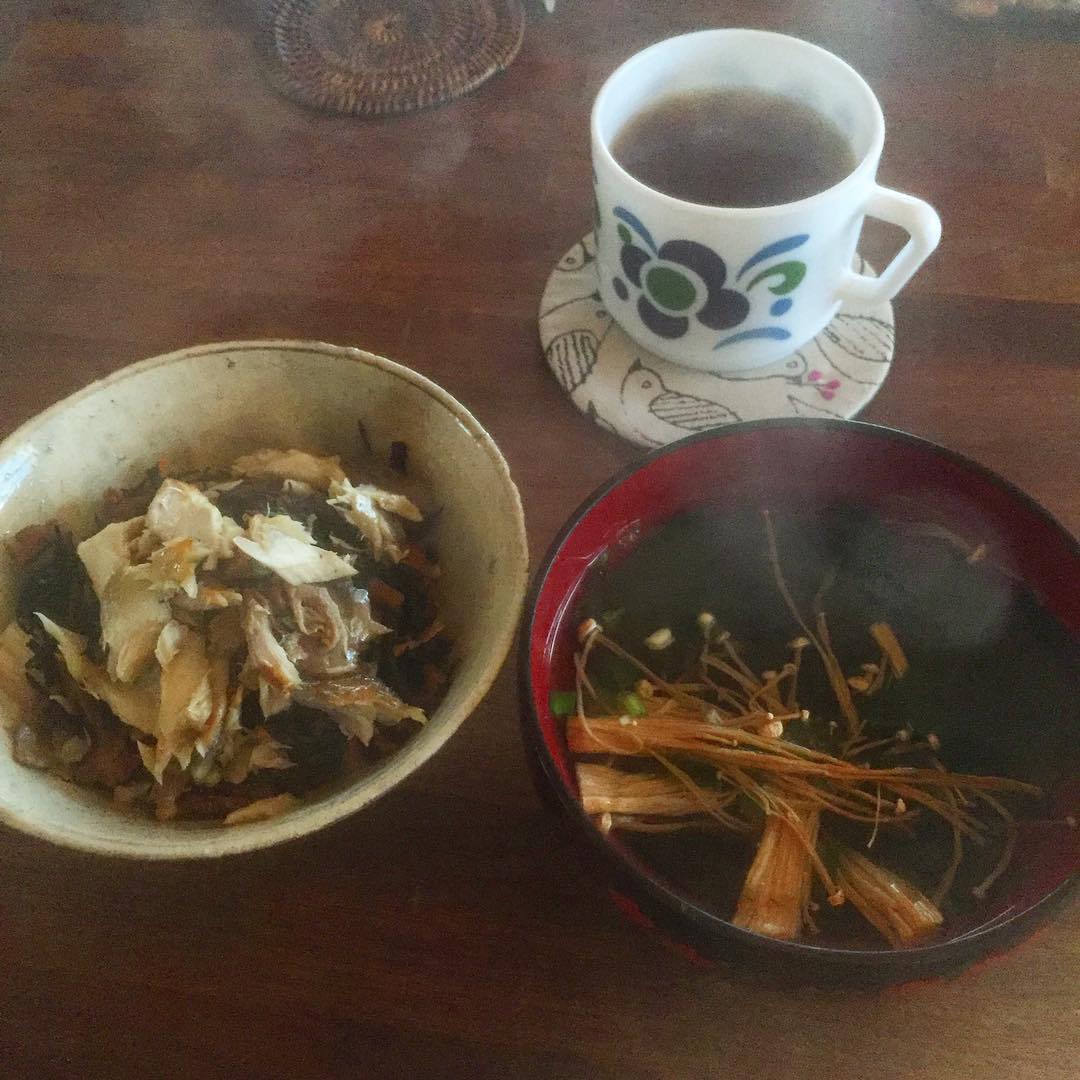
386, 57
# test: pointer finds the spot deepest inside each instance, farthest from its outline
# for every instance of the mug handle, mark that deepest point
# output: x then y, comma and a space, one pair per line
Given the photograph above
923, 226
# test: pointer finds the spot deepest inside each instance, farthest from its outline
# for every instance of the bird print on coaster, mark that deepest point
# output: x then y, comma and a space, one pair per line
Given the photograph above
572, 356
857, 344
792, 368
650, 401
653, 408
578, 256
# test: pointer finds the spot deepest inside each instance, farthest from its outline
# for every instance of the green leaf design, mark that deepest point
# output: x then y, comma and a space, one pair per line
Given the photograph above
669, 288
624, 234
791, 272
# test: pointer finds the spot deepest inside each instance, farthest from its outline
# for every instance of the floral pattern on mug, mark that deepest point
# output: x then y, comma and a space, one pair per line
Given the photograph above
682, 280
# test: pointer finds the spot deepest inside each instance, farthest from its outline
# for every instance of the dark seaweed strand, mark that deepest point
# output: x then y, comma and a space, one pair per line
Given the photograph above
55, 583
122, 504
316, 745
364, 440
399, 457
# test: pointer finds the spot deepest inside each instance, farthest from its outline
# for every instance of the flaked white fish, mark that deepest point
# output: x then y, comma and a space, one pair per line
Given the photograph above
283, 545
317, 472
368, 508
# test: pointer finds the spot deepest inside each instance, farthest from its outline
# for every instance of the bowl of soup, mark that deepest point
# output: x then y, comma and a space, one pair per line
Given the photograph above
802, 689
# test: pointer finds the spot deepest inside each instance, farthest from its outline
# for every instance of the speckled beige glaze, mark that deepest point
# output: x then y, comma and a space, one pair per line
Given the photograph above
203, 406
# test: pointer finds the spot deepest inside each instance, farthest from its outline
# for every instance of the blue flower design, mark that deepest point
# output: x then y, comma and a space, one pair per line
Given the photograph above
683, 280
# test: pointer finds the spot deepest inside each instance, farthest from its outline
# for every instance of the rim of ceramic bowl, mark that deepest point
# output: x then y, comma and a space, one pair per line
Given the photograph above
203, 842
681, 912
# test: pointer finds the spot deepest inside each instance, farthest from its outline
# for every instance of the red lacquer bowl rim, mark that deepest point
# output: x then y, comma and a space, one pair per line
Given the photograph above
702, 924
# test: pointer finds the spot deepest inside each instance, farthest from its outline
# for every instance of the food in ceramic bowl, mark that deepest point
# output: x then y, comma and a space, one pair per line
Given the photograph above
228, 642
229, 624
785, 678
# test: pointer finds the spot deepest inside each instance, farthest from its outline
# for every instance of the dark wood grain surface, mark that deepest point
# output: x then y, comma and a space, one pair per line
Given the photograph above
154, 194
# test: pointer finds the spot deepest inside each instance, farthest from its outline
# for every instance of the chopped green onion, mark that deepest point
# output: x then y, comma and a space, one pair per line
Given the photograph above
562, 702
631, 704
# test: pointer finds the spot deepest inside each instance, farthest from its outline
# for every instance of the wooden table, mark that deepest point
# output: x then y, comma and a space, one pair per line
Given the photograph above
153, 194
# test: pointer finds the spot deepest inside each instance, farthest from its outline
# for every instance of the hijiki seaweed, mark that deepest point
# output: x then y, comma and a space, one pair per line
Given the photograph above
713, 744
226, 643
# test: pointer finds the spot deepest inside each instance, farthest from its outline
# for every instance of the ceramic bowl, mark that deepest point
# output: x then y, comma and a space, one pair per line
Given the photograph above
204, 406
807, 465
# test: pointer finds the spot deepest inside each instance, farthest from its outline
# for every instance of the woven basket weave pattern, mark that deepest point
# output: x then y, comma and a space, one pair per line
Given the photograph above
384, 58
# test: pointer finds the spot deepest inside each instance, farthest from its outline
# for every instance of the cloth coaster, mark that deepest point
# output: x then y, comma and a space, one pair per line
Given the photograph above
651, 401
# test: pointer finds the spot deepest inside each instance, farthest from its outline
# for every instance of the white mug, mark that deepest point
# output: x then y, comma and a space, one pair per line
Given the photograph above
729, 289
